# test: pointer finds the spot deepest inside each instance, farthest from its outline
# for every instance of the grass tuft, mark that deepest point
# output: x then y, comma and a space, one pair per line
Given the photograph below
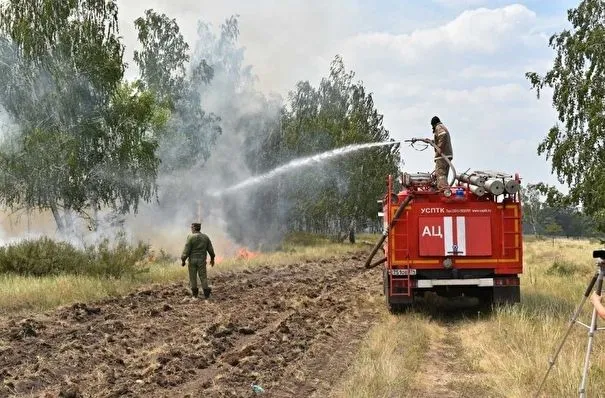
565, 268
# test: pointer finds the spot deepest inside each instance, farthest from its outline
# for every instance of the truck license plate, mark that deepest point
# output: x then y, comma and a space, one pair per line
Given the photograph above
402, 271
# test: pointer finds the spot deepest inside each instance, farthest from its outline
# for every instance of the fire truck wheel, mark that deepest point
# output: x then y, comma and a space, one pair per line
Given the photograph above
486, 299
400, 307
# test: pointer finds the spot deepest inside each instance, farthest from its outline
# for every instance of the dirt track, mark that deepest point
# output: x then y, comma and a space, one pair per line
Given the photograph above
290, 329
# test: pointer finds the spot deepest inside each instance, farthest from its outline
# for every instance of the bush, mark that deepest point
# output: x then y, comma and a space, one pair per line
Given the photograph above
45, 256
564, 268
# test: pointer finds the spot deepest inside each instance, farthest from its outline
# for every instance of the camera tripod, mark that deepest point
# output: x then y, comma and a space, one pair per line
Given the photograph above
597, 280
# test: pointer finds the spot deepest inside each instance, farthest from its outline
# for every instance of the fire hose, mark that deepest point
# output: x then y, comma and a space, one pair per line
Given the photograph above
386, 232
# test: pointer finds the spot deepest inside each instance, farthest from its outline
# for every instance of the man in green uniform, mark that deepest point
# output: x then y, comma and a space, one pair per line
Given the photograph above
195, 249
443, 142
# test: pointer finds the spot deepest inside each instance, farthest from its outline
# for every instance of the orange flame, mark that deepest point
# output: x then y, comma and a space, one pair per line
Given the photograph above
245, 254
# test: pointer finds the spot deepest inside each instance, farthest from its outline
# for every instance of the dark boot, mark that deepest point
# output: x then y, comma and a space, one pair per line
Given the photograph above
207, 292
195, 291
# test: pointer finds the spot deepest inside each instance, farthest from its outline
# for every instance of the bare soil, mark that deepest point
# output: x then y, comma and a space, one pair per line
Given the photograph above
291, 330
443, 372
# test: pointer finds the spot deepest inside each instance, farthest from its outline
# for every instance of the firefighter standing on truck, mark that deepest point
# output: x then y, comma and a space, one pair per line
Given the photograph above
195, 249
443, 141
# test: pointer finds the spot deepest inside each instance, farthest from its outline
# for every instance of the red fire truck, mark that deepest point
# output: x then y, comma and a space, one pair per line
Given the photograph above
464, 241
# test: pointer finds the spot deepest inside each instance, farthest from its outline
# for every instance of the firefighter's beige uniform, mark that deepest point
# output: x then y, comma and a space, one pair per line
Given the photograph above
443, 142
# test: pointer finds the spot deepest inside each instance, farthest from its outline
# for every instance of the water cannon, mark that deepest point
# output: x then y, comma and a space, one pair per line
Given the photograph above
409, 180
438, 151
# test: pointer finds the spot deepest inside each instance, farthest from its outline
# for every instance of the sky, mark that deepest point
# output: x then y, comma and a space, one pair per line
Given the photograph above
462, 60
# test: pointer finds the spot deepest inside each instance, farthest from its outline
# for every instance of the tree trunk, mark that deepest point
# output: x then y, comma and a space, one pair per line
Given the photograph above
69, 221
57, 217
352, 231
95, 215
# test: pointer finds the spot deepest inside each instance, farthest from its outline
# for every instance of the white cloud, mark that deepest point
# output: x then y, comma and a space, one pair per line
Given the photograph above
470, 72
498, 95
460, 3
482, 31
487, 72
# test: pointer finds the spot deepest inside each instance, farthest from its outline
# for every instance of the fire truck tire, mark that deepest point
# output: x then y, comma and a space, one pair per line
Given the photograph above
400, 308
486, 299
507, 295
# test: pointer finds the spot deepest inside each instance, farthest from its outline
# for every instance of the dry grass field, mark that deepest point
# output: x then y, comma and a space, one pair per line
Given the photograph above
453, 351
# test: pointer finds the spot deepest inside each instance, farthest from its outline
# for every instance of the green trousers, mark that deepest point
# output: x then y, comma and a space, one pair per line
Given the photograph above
197, 268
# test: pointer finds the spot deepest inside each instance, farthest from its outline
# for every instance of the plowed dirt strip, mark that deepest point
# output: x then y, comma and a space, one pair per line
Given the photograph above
289, 329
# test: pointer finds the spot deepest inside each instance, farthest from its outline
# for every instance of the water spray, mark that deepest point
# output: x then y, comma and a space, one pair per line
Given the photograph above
298, 163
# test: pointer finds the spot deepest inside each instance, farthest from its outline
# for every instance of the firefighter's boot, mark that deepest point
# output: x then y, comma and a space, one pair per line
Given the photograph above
207, 292
195, 292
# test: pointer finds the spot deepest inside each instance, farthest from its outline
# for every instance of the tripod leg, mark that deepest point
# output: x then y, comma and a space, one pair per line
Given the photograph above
591, 332
571, 323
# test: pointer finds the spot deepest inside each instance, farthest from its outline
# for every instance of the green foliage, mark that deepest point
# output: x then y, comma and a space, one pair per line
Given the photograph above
338, 194
532, 207
81, 34
191, 132
162, 60
554, 216
553, 228
48, 257
86, 138
577, 146
564, 268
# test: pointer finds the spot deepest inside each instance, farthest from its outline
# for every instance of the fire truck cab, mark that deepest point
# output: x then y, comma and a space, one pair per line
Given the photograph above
466, 241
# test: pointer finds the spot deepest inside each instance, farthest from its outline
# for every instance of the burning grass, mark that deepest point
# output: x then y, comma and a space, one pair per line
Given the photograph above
505, 353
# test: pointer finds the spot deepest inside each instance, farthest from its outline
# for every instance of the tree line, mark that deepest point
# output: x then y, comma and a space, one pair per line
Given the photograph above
544, 216
81, 138
334, 197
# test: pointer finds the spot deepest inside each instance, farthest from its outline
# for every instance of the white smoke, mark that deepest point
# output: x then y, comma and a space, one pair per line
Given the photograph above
245, 115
